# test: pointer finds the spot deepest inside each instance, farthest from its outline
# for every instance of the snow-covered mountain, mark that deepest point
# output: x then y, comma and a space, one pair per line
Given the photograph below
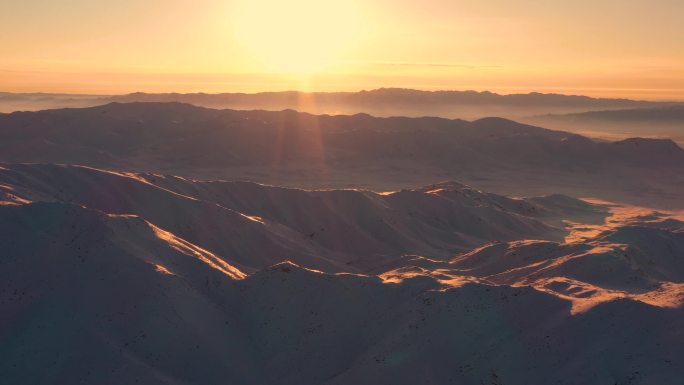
163, 243
254, 226
118, 277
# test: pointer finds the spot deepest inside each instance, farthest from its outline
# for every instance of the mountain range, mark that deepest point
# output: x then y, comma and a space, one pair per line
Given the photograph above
322, 151
379, 102
113, 277
166, 243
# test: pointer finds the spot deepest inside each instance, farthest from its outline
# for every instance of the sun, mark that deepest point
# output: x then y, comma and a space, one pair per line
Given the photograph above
297, 36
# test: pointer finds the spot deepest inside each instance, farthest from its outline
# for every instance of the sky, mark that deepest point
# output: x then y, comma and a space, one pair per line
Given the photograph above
608, 48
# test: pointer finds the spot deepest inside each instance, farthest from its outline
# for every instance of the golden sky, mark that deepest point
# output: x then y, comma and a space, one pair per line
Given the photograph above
631, 48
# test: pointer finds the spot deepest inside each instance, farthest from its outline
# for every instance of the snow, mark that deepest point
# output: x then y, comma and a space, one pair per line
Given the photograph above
111, 275
330, 230
97, 288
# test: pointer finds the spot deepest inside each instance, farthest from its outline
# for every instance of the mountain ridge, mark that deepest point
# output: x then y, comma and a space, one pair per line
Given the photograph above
381, 102
331, 230
142, 323
324, 151
100, 284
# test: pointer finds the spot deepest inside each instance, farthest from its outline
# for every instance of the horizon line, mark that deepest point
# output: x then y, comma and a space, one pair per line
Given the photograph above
532, 91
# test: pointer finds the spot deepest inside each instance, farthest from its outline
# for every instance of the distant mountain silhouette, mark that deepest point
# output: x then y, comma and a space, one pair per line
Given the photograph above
300, 149
661, 122
110, 276
379, 102
390, 96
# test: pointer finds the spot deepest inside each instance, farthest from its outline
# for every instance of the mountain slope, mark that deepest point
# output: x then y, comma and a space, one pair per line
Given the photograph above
94, 294
254, 226
94, 298
639, 262
112, 319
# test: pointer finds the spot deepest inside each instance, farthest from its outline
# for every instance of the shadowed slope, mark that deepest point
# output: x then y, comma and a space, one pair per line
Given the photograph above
96, 298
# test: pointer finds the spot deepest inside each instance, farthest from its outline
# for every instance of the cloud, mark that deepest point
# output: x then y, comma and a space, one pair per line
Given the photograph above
437, 65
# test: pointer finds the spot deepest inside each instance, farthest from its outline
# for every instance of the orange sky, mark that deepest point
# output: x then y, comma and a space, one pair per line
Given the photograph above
603, 48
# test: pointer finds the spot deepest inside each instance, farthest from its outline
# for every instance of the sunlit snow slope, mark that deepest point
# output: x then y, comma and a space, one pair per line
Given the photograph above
118, 278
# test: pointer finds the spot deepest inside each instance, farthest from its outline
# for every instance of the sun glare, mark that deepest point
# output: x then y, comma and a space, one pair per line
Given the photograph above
297, 36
